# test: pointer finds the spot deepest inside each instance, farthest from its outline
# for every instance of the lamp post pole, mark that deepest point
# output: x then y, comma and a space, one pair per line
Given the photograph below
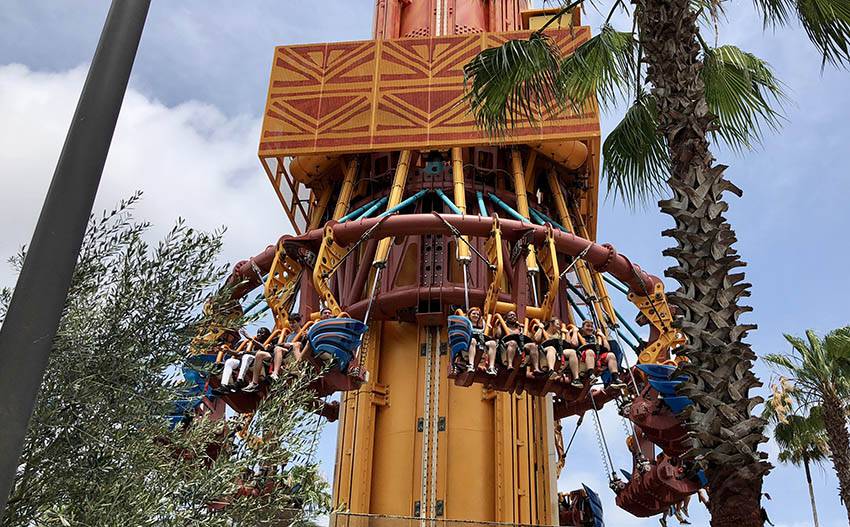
26, 336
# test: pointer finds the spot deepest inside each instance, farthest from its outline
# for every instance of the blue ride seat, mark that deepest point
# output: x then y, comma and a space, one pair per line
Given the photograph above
666, 387
339, 337
657, 371
459, 333
618, 352
595, 507
194, 391
677, 403
659, 377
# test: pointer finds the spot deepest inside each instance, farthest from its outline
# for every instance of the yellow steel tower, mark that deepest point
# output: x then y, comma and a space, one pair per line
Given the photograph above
361, 130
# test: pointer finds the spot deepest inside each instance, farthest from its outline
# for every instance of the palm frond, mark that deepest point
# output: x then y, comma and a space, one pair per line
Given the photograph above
799, 345
514, 82
522, 81
604, 66
744, 94
782, 361
802, 438
826, 22
636, 162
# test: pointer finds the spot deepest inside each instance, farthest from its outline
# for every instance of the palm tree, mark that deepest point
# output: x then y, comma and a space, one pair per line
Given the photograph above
819, 371
803, 441
684, 93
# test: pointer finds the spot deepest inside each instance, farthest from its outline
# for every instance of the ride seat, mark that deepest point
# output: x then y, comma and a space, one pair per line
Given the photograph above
337, 337
459, 333
659, 377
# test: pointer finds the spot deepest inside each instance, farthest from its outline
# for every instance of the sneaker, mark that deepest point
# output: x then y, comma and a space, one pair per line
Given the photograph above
492, 371
577, 383
470, 368
275, 377
251, 388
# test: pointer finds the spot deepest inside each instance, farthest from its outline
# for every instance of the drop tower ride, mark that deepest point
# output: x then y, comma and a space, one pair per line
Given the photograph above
405, 212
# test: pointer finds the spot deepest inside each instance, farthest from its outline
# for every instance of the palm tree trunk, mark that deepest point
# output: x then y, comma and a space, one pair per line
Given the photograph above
839, 445
811, 491
726, 437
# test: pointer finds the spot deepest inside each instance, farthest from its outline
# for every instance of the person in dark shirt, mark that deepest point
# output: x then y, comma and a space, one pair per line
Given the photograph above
258, 343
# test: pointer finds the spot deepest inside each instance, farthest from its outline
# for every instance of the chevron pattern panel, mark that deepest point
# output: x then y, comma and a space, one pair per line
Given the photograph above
389, 95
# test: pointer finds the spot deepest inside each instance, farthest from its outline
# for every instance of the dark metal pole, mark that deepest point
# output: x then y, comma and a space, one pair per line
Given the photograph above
33, 316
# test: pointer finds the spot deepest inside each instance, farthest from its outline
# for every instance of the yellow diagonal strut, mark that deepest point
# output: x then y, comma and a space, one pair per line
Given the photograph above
396, 193
654, 307
582, 269
346, 190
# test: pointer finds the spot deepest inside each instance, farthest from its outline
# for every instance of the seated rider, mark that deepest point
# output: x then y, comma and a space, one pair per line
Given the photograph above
596, 353
293, 344
231, 364
480, 343
241, 360
513, 338
550, 338
285, 346
324, 314
572, 342
258, 343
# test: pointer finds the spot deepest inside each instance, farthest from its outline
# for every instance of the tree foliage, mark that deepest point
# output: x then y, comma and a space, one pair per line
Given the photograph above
818, 367
100, 451
818, 371
526, 80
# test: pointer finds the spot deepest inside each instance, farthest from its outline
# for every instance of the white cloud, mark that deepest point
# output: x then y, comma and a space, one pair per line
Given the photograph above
190, 160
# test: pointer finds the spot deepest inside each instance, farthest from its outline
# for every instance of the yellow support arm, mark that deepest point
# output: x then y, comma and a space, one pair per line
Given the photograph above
330, 254
396, 193
463, 253
656, 309
548, 259
522, 203
281, 287
347, 190
493, 249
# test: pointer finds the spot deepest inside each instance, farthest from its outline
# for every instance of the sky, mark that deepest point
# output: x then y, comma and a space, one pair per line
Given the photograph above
188, 133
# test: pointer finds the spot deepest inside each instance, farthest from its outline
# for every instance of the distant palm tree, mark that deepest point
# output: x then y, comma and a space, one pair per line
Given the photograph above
683, 92
819, 372
803, 441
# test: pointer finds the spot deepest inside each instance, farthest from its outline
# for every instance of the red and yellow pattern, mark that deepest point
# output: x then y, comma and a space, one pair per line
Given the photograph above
389, 95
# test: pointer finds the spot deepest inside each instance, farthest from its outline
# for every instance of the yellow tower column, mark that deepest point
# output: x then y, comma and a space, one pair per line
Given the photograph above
522, 202
346, 190
463, 253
